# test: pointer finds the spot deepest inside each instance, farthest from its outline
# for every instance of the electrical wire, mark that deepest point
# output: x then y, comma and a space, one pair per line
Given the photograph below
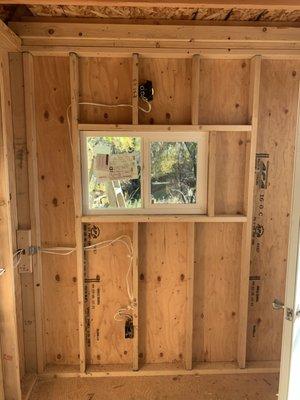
18, 254
123, 312
60, 251
18, 261
87, 103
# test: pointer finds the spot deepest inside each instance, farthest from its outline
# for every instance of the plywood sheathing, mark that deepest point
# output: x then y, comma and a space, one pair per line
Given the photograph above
163, 285
218, 268
105, 272
52, 93
205, 14
275, 148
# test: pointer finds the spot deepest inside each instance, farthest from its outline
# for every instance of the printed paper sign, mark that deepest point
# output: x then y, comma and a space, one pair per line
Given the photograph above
115, 166
101, 167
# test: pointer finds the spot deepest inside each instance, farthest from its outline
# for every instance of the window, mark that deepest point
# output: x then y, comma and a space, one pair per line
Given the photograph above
149, 172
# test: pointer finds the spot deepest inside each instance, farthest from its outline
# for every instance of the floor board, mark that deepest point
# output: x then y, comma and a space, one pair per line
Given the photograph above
221, 387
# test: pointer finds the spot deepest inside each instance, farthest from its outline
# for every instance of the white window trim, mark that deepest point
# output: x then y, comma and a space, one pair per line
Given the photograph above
200, 207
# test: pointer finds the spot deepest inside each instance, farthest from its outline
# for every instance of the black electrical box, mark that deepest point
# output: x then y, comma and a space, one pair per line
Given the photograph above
129, 330
146, 91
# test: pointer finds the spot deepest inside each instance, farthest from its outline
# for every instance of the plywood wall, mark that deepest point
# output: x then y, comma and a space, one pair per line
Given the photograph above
217, 256
57, 211
224, 90
163, 275
277, 121
171, 79
105, 293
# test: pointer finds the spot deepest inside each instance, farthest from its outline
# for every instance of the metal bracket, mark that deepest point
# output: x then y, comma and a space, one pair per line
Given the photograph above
32, 250
289, 314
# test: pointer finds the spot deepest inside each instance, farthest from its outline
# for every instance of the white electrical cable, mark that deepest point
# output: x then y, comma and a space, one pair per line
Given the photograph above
87, 103
122, 313
60, 251
18, 254
18, 262
106, 243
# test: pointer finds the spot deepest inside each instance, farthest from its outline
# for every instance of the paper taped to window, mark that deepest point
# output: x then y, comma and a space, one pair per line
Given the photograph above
115, 166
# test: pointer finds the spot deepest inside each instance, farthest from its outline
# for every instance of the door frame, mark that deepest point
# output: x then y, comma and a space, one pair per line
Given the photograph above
291, 276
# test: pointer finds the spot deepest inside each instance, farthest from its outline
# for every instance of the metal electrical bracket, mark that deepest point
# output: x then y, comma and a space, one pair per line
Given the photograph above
32, 250
289, 314
279, 305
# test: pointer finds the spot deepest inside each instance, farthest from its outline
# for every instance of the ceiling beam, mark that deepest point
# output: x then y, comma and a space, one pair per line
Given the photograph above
96, 39
37, 33
242, 4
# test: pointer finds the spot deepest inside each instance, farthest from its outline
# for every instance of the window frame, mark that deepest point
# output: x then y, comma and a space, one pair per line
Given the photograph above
199, 208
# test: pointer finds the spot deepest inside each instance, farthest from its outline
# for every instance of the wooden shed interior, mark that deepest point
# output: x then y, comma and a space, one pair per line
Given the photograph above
162, 291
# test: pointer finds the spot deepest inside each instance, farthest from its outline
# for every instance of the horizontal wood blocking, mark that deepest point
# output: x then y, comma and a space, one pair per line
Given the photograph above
204, 368
282, 51
92, 33
162, 218
122, 40
164, 128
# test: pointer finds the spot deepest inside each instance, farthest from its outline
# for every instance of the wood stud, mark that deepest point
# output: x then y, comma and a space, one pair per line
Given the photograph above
190, 296
31, 133
10, 361
195, 89
135, 287
74, 86
255, 68
135, 89
211, 174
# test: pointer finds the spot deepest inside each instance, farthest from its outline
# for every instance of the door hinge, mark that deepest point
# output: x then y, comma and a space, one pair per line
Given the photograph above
289, 314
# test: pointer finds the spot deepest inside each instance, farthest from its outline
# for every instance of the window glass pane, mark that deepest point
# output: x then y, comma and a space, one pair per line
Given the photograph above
173, 172
114, 172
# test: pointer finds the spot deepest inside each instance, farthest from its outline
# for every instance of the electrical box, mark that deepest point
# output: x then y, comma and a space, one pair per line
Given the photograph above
24, 242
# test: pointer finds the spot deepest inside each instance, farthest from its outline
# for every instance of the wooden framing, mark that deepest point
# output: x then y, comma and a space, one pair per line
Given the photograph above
183, 49
135, 89
211, 174
74, 85
255, 69
165, 370
164, 218
135, 291
286, 374
268, 4
1, 377
9, 41
142, 129
27, 323
34, 202
195, 89
10, 361
99, 40
190, 297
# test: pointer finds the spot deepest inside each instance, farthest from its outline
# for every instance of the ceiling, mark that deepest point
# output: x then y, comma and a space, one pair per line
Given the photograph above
16, 12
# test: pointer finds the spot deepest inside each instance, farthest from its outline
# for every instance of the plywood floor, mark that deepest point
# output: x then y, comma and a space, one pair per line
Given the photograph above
222, 387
